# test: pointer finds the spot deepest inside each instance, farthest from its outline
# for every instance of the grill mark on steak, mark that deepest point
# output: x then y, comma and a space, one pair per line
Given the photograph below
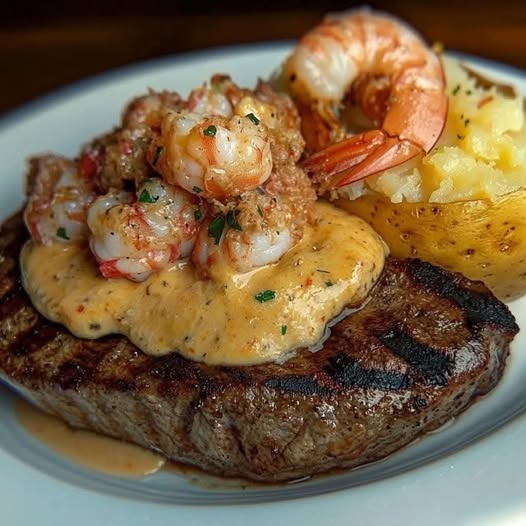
432, 364
376, 384
298, 384
170, 368
11, 304
73, 373
479, 306
33, 339
350, 373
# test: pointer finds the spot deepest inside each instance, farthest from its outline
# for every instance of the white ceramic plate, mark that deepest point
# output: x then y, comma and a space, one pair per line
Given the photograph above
472, 473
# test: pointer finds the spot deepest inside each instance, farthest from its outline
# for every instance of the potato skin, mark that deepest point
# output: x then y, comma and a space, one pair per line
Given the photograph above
483, 240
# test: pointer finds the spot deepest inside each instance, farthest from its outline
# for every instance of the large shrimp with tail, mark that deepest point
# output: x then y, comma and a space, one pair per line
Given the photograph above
389, 72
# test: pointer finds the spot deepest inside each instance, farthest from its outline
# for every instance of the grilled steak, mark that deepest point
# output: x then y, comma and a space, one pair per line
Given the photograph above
424, 345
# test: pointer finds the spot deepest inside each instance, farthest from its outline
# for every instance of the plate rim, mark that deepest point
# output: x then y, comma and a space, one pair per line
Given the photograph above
75, 88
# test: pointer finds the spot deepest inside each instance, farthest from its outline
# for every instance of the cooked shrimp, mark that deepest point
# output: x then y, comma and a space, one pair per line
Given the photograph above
134, 236
389, 72
58, 200
257, 232
147, 110
244, 251
219, 97
209, 101
215, 157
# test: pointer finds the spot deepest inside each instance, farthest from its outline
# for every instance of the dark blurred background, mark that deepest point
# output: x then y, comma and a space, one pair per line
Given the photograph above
44, 45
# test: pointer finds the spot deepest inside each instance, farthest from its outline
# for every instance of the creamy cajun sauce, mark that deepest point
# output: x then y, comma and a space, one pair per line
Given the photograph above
94, 451
230, 319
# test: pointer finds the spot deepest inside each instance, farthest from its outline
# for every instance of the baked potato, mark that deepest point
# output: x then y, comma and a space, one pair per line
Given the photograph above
483, 239
463, 205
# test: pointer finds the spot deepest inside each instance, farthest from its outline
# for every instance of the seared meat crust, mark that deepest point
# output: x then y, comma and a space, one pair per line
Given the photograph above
421, 349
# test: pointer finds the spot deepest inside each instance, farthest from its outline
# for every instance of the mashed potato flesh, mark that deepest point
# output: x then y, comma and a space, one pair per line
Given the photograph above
481, 153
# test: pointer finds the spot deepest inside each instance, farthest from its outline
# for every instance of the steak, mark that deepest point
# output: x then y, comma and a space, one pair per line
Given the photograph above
418, 352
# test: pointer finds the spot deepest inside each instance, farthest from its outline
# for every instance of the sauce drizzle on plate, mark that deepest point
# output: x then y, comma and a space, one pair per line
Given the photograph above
97, 452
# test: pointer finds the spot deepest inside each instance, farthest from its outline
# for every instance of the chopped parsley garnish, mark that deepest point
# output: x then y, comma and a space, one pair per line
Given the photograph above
196, 190
216, 227
210, 131
456, 89
321, 270
283, 330
61, 232
231, 219
253, 118
329, 283
198, 214
158, 153
260, 212
466, 122
460, 137
146, 197
266, 295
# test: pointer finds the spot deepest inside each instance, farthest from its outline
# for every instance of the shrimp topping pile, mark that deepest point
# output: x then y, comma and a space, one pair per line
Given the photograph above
214, 178
383, 67
133, 236
217, 178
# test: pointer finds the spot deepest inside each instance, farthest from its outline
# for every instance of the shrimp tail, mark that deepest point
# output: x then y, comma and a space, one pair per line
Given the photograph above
358, 157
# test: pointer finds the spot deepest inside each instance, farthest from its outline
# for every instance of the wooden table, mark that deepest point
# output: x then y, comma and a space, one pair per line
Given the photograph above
42, 54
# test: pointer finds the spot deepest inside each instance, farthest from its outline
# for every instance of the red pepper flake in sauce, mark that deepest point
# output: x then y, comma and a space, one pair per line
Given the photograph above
80, 308
308, 281
484, 101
